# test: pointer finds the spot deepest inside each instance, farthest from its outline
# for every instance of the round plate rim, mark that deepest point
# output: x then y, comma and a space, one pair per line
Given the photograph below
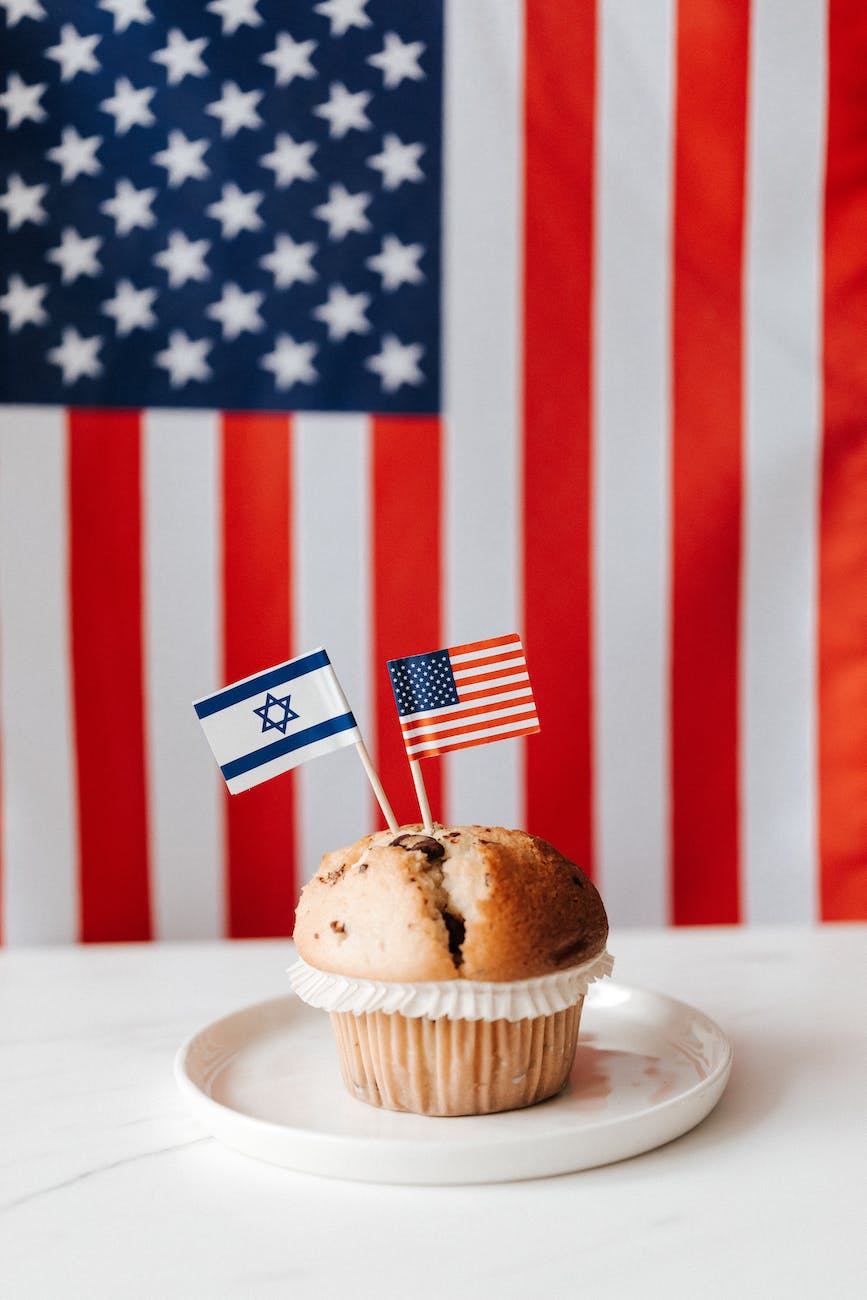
693, 1103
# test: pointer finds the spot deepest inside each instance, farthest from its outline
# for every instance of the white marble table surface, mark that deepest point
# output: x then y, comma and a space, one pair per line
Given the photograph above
109, 1189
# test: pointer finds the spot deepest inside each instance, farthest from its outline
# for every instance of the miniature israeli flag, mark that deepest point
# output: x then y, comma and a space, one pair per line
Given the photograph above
276, 719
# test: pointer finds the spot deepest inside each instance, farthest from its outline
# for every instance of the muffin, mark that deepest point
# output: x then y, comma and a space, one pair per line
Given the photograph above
454, 965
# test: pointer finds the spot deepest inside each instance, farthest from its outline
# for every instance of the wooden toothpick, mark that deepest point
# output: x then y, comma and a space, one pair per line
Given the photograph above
421, 795
381, 797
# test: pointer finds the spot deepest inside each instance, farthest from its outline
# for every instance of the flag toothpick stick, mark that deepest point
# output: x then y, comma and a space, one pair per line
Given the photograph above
381, 797
421, 795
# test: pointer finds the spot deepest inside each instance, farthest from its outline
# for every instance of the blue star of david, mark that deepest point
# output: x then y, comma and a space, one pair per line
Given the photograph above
271, 702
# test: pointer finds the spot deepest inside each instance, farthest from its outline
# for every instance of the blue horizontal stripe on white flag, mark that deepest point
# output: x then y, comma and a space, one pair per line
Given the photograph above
247, 687
289, 746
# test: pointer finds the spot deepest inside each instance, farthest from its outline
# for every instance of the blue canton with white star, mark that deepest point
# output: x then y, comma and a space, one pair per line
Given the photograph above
227, 204
277, 723
423, 682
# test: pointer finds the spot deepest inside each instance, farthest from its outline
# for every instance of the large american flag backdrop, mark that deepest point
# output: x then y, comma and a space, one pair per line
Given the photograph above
386, 326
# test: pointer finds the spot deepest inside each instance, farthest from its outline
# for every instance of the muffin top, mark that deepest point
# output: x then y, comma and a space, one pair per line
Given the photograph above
468, 902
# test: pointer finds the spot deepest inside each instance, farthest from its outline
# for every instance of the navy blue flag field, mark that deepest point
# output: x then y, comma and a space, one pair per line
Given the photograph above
202, 209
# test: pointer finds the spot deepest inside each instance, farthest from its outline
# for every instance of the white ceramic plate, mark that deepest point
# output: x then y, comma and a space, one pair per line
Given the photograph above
266, 1082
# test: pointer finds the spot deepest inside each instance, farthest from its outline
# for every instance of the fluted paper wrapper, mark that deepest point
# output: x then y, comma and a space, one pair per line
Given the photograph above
456, 1047
457, 999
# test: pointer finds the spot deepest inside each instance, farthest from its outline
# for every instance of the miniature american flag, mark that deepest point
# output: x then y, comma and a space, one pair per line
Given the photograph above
466, 695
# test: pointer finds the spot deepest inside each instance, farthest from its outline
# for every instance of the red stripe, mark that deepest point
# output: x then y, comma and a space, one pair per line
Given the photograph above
712, 54
518, 674
439, 733
560, 43
476, 646
406, 548
485, 661
483, 740
467, 696
105, 576
257, 632
842, 649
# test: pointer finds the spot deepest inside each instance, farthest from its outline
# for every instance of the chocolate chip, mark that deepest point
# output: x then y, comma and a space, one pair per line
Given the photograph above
576, 880
425, 844
338, 927
457, 932
332, 877
362, 866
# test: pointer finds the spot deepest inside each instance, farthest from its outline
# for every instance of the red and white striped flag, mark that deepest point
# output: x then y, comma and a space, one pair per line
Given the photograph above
463, 696
644, 299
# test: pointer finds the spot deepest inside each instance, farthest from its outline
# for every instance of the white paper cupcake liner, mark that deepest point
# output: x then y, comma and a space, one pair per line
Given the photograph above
544, 995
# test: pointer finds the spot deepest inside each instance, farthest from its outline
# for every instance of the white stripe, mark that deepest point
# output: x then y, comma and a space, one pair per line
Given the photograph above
182, 638
481, 366
782, 438
431, 727
39, 846
490, 733
631, 504
330, 476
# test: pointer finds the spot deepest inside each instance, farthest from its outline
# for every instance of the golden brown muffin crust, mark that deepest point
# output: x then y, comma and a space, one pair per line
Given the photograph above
472, 902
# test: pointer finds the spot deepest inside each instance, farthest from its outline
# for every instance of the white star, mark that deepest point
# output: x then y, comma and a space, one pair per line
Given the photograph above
76, 356
237, 312
18, 9
75, 155
131, 308
22, 303
397, 263
344, 111
127, 12
236, 108
182, 159
23, 202
130, 208
343, 313
343, 212
75, 256
236, 211
290, 362
128, 106
74, 53
21, 101
289, 59
182, 57
235, 14
397, 60
396, 363
289, 262
290, 160
398, 162
184, 358
343, 14
184, 259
